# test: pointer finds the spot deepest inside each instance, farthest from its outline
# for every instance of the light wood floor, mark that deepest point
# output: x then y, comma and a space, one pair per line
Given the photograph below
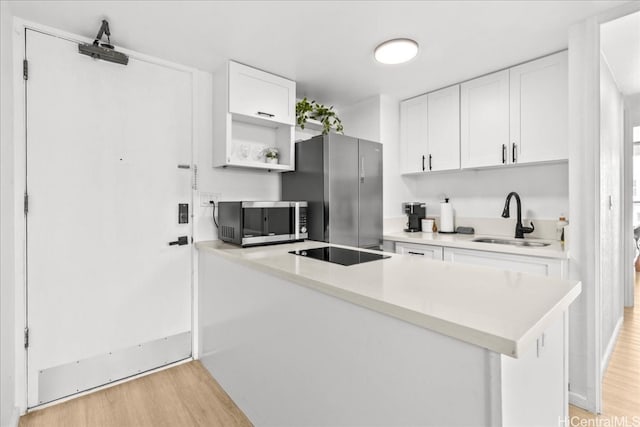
621, 385
185, 395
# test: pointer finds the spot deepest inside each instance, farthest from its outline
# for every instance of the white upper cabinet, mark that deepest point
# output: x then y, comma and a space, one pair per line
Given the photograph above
430, 131
443, 129
255, 93
253, 111
484, 117
517, 115
413, 134
539, 109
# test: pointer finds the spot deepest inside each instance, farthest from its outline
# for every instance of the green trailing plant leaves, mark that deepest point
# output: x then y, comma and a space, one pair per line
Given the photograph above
306, 110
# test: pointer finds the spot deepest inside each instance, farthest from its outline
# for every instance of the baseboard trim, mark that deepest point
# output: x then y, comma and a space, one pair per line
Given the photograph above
610, 347
578, 400
15, 418
76, 376
109, 385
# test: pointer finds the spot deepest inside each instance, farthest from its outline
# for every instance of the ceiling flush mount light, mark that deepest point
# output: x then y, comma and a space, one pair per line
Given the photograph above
396, 51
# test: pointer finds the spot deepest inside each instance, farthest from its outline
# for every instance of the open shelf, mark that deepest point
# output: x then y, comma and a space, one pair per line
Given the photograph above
261, 165
240, 137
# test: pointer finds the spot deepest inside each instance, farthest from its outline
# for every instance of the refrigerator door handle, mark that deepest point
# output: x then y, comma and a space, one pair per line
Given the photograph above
362, 169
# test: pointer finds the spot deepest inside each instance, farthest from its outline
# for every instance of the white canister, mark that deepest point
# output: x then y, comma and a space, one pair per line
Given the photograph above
427, 225
446, 217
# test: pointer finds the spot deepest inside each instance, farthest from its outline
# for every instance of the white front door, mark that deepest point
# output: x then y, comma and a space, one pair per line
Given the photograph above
107, 296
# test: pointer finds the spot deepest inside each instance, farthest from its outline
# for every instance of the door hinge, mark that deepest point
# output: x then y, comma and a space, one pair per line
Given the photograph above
26, 203
25, 69
26, 337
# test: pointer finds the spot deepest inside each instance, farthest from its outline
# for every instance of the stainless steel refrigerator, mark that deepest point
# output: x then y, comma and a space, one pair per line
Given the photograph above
341, 179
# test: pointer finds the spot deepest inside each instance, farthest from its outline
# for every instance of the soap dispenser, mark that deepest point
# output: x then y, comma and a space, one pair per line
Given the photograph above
560, 226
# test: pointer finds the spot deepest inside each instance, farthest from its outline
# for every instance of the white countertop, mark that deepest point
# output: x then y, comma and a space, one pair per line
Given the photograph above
556, 249
499, 310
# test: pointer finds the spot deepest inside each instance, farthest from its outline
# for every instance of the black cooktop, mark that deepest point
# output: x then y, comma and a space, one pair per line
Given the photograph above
339, 255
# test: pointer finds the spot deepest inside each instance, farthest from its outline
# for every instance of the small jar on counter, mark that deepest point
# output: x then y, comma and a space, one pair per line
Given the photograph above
560, 226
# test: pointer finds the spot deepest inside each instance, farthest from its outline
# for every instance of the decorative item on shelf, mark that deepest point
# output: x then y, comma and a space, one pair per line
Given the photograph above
313, 110
271, 155
242, 152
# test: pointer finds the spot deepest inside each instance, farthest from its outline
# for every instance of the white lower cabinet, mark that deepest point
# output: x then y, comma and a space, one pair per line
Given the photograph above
463, 384
550, 267
426, 251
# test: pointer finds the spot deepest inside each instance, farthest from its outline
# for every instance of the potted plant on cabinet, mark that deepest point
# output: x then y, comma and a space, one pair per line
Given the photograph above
311, 110
271, 155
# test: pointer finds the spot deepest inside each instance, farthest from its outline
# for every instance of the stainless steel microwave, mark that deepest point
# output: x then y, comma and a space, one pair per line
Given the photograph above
262, 223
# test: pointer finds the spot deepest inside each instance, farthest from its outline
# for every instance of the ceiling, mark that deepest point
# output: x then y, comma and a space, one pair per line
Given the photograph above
327, 46
620, 42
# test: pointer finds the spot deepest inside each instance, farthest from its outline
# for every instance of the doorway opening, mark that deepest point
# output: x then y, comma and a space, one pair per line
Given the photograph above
619, 215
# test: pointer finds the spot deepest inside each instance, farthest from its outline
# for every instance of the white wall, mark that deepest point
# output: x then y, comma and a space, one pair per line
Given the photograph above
362, 120
378, 119
7, 295
585, 364
228, 183
543, 190
611, 142
395, 188
584, 200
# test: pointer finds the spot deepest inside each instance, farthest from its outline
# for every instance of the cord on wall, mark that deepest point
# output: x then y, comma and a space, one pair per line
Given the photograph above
214, 213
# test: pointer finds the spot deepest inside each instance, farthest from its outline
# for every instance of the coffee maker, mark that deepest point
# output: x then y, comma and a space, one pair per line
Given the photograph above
415, 211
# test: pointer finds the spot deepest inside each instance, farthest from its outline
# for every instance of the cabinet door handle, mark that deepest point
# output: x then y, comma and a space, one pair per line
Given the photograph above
514, 150
362, 169
430, 161
262, 113
422, 163
504, 153
415, 253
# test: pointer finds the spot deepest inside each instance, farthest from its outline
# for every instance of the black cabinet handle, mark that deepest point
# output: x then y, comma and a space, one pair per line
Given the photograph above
430, 161
423, 163
414, 253
513, 152
182, 240
504, 153
262, 113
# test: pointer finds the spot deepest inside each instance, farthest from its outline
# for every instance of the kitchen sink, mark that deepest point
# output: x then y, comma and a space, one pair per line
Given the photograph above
511, 242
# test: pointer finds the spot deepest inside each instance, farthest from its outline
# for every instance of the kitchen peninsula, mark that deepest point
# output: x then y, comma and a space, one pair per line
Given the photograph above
398, 341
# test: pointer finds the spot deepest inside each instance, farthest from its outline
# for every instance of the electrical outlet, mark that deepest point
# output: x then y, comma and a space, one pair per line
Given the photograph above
207, 198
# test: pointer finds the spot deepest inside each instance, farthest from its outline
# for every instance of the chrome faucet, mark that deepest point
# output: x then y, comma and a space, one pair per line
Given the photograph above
520, 229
